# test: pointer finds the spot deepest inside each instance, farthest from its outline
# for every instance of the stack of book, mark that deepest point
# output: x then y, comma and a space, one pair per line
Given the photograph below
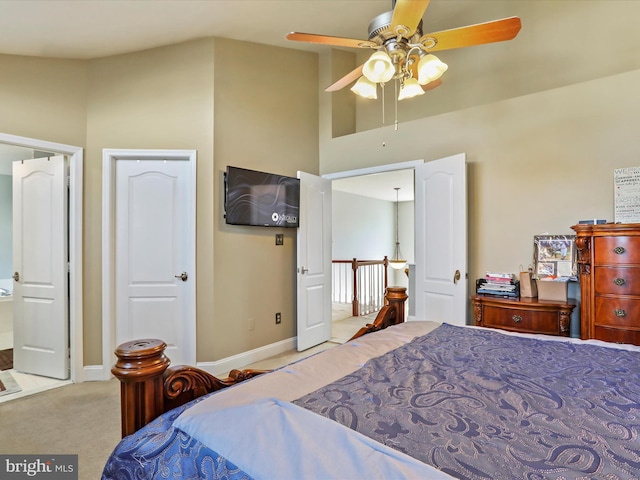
498, 285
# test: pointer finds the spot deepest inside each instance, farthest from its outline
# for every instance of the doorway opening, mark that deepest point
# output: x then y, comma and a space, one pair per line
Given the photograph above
366, 229
13, 148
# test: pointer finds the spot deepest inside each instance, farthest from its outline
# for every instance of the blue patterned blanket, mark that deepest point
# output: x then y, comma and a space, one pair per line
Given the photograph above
161, 451
479, 404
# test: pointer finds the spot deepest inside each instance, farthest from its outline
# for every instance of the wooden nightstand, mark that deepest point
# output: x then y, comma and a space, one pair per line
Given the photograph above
526, 315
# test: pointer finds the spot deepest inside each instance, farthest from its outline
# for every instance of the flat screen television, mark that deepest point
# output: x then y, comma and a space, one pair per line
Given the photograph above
261, 199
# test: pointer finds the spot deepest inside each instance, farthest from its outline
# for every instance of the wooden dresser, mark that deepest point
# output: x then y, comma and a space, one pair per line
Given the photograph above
609, 269
525, 315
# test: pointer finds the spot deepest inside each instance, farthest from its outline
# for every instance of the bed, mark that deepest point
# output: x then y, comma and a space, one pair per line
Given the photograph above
412, 400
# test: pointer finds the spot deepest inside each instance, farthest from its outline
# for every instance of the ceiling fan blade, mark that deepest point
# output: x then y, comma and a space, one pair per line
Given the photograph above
481, 33
407, 15
328, 40
346, 80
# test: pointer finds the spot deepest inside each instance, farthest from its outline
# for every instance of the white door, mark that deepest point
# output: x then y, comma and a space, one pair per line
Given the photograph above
154, 254
441, 240
40, 289
314, 261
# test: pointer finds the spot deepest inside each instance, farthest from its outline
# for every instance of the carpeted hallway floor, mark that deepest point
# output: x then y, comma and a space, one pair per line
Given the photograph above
82, 419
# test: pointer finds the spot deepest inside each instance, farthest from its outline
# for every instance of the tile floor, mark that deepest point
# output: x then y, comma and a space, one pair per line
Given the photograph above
30, 384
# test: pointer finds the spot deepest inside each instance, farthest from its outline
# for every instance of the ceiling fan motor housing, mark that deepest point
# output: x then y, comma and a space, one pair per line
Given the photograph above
380, 31
397, 48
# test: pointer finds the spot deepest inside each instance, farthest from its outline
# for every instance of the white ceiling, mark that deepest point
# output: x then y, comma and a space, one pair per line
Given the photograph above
379, 185
84, 29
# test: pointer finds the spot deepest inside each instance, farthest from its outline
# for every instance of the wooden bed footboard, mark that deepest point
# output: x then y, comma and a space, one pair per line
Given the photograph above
150, 387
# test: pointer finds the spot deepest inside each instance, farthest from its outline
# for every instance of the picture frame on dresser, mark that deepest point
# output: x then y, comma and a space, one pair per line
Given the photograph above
554, 256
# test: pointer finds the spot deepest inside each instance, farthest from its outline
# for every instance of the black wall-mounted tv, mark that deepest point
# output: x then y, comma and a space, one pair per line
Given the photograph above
261, 199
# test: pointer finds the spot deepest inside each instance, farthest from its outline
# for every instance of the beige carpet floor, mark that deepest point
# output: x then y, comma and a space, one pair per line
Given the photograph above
82, 419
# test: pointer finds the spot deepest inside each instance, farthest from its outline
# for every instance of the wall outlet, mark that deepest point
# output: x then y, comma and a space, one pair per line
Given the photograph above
278, 318
251, 324
279, 239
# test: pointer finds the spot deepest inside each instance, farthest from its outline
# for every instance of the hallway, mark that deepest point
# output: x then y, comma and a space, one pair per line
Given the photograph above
29, 384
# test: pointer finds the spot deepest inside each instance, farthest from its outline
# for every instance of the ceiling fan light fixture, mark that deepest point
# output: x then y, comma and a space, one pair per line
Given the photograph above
379, 68
430, 68
365, 88
410, 88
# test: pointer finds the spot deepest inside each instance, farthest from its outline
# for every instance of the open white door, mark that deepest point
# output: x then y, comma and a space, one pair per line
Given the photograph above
40, 289
314, 261
150, 248
441, 240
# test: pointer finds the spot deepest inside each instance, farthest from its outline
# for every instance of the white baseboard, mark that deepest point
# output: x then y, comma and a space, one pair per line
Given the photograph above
93, 373
98, 373
241, 360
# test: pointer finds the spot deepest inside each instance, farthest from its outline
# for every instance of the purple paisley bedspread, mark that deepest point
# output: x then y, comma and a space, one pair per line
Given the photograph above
161, 451
479, 404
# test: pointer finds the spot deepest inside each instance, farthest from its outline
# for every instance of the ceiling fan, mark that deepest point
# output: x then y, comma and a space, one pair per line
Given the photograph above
403, 52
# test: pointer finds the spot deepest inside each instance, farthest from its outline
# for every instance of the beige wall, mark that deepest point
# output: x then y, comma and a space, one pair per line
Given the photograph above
169, 98
243, 115
536, 163
544, 120
154, 99
43, 98
266, 112
541, 151
559, 44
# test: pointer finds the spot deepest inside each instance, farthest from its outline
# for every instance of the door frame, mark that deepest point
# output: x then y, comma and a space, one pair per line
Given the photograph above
76, 160
377, 169
109, 158
390, 167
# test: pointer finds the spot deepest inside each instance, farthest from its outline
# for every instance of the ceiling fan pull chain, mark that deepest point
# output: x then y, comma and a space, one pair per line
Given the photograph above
382, 85
396, 107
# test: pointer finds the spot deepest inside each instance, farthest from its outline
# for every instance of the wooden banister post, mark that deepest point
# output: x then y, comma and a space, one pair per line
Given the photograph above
355, 303
397, 296
140, 368
385, 262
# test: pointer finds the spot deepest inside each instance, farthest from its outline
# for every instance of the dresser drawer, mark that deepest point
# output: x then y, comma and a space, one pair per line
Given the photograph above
617, 335
521, 320
617, 312
617, 280
616, 250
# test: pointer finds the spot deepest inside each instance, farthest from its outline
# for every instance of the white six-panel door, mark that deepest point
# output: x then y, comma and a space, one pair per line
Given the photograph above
40, 256
152, 249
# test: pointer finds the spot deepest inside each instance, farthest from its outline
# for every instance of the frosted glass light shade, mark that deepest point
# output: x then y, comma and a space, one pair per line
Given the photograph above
410, 88
365, 88
379, 68
397, 264
430, 68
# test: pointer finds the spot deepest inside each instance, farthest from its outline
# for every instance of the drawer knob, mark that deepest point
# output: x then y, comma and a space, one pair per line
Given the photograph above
620, 312
619, 281
517, 318
619, 250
